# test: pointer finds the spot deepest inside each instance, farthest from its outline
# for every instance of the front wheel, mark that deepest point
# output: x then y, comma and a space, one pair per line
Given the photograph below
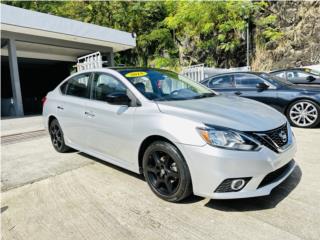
304, 114
166, 172
57, 139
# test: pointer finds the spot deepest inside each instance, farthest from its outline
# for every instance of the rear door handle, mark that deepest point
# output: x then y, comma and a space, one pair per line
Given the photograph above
60, 108
89, 114
238, 93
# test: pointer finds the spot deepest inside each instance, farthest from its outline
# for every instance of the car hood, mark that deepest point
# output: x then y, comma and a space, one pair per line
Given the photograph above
231, 112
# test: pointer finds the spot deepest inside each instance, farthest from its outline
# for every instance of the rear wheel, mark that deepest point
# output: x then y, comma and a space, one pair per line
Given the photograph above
166, 172
304, 114
56, 135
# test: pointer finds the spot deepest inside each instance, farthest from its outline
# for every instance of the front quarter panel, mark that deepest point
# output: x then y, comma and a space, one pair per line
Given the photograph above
149, 121
287, 96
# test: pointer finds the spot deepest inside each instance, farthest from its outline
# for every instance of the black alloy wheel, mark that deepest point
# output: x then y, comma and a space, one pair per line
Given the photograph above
166, 172
57, 139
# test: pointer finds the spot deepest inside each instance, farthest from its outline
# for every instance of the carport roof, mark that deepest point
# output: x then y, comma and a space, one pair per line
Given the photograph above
24, 21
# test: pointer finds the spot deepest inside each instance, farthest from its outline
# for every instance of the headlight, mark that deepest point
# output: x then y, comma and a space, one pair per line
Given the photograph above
228, 139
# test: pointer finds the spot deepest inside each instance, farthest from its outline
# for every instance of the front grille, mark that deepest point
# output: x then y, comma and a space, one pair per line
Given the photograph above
225, 186
273, 139
276, 175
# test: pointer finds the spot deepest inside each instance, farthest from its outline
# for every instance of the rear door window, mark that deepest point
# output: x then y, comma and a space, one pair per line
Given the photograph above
79, 86
280, 74
221, 82
292, 74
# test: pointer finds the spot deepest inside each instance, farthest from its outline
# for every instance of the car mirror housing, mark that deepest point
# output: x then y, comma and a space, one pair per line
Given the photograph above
311, 79
262, 86
118, 99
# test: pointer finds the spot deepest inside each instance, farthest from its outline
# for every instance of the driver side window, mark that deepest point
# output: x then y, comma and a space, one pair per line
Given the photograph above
105, 84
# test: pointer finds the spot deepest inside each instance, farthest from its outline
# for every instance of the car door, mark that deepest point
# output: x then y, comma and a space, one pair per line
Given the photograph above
246, 86
223, 84
70, 109
110, 126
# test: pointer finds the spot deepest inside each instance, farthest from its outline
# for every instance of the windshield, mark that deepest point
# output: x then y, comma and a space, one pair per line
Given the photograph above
163, 85
275, 80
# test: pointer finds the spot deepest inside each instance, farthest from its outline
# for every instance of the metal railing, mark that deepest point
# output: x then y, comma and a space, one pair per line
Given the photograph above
90, 61
200, 72
195, 72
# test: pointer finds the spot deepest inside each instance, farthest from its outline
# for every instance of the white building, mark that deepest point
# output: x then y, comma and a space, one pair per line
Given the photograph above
39, 50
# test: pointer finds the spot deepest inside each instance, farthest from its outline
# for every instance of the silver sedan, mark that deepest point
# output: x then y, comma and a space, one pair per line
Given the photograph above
182, 136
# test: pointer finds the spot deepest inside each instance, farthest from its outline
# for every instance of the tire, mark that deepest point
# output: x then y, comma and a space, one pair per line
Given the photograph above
304, 114
166, 172
57, 138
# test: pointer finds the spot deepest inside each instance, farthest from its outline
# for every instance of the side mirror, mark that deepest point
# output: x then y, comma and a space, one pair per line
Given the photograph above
118, 99
311, 78
262, 86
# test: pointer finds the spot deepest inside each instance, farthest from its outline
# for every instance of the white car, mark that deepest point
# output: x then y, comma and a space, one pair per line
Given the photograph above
182, 136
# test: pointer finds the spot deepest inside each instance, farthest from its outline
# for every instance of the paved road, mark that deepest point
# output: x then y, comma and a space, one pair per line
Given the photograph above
47, 195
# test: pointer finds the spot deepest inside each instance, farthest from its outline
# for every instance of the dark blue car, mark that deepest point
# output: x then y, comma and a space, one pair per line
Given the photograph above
301, 104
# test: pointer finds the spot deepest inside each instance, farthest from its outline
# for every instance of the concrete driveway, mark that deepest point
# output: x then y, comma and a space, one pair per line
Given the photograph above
47, 195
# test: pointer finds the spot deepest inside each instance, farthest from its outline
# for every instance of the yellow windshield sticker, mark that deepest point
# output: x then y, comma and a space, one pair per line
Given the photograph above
136, 74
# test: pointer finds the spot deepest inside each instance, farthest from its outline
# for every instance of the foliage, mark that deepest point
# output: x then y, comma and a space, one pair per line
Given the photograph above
173, 33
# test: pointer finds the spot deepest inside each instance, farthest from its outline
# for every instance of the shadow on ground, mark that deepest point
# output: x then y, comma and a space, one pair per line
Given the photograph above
3, 209
234, 205
138, 176
259, 203
189, 200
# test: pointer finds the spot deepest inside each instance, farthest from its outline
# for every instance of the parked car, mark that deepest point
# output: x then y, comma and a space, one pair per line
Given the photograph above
301, 104
299, 75
184, 137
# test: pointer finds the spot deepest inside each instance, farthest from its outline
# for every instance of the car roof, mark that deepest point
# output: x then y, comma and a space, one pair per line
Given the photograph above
136, 68
230, 73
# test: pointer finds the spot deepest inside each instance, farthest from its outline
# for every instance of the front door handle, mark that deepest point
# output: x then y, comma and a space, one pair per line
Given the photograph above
238, 93
89, 114
60, 108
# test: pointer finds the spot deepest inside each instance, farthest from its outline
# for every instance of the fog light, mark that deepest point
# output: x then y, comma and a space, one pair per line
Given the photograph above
237, 184
232, 185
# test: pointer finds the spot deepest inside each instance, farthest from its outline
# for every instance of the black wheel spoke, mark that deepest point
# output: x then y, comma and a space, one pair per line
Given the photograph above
56, 136
156, 158
152, 169
168, 184
173, 174
162, 173
157, 183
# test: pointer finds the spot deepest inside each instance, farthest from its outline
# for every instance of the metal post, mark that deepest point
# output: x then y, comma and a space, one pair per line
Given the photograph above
111, 59
248, 45
15, 80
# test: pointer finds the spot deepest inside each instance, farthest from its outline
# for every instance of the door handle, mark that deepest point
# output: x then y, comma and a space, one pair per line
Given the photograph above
89, 114
238, 93
60, 108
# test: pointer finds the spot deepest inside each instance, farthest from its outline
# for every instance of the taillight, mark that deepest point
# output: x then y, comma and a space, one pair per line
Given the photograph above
43, 100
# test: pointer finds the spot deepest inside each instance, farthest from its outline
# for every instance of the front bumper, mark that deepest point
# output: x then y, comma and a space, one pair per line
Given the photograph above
210, 166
